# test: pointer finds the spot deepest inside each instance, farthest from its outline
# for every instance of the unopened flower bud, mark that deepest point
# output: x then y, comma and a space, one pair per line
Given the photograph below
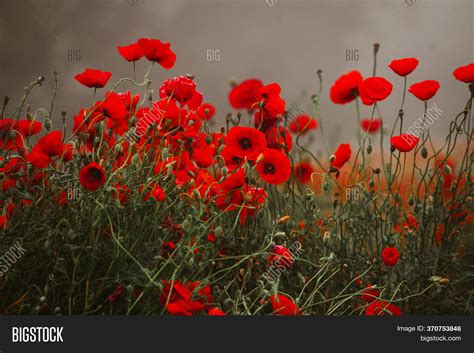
424, 152
369, 149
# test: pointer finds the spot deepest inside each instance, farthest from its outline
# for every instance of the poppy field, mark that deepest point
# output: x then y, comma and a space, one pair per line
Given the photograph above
148, 201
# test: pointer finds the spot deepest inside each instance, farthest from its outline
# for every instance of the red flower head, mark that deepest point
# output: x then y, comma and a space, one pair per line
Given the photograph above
132, 52
28, 127
216, 312
93, 78
245, 142
370, 294
183, 89
273, 105
155, 50
51, 144
274, 167
342, 155
345, 89
38, 159
245, 95
281, 257
374, 89
303, 172
206, 111
283, 305
369, 125
279, 138
380, 308
92, 176
403, 67
465, 73
3, 221
424, 90
302, 124
404, 142
390, 256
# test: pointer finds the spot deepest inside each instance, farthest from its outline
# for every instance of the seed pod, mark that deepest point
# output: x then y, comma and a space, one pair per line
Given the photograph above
424, 152
47, 124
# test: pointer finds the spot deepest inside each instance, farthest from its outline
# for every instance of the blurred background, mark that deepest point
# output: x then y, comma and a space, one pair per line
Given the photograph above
284, 41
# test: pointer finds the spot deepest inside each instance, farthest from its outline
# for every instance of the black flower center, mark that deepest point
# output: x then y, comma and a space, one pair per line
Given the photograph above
269, 168
245, 143
95, 173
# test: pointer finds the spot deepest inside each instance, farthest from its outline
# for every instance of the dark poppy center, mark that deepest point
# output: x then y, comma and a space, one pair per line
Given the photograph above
95, 173
269, 168
245, 143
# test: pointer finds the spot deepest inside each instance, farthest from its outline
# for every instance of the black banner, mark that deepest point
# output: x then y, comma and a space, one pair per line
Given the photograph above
268, 334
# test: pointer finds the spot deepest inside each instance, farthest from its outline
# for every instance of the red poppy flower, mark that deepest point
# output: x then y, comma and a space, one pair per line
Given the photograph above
185, 298
116, 293
303, 172
465, 73
10, 165
302, 124
274, 167
374, 89
121, 193
370, 294
424, 90
245, 142
216, 312
155, 50
183, 89
380, 307
92, 176
342, 155
369, 125
283, 305
93, 78
206, 111
280, 256
51, 144
279, 138
345, 88
272, 104
132, 52
38, 159
3, 221
404, 142
245, 95
390, 256
403, 67
28, 127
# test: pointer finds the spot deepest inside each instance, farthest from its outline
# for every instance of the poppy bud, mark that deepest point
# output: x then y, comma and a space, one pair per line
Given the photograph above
260, 158
326, 237
411, 201
332, 158
47, 124
444, 281
376, 48
424, 152
283, 219
392, 148
208, 139
447, 169
135, 158
369, 149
